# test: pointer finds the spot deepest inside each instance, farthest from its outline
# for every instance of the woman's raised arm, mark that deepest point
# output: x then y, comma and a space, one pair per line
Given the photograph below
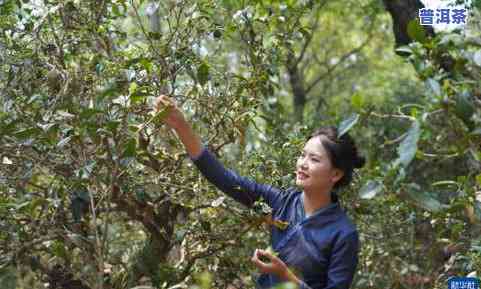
242, 189
175, 119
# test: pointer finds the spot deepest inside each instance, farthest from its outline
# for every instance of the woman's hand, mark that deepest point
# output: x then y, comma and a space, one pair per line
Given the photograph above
276, 266
174, 118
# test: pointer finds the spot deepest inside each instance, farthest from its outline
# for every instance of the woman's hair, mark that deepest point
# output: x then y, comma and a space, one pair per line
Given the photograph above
342, 153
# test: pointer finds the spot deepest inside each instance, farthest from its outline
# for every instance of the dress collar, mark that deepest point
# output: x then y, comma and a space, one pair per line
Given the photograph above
320, 215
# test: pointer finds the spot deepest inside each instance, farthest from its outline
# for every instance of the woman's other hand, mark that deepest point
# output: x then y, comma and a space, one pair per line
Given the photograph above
276, 266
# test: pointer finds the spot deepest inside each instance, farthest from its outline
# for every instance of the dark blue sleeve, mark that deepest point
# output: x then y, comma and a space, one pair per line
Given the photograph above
343, 262
243, 190
304, 285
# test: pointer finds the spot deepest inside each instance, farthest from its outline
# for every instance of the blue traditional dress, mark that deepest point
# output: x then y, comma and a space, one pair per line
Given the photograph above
322, 248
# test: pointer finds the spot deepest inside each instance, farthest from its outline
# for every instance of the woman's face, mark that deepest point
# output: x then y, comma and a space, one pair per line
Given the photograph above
314, 170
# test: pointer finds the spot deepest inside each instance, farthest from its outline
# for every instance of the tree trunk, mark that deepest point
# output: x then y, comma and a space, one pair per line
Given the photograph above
297, 86
159, 221
402, 12
152, 11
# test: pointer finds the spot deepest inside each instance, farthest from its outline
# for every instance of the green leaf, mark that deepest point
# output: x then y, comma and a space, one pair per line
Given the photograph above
477, 58
83, 194
404, 49
58, 249
416, 31
133, 88
141, 195
46, 127
203, 73
408, 147
138, 97
180, 234
434, 86
36, 203
424, 200
8, 278
86, 171
87, 113
116, 10
7, 206
444, 183
155, 35
305, 33
63, 142
204, 279
22, 205
370, 189
206, 226
357, 101
109, 89
112, 125
477, 210
478, 179
99, 67
26, 133
347, 124
477, 131
147, 64
64, 114
130, 148
451, 39
464, 108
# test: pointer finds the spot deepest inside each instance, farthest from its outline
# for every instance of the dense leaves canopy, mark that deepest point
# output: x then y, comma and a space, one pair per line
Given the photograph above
96, 193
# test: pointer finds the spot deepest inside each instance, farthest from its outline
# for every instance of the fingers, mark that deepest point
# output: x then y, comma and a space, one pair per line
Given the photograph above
263, 265
259, 264
267, 254
275, 266
162, 100
165, 99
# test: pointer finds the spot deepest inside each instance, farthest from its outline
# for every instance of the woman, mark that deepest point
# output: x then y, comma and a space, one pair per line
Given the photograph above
319, 248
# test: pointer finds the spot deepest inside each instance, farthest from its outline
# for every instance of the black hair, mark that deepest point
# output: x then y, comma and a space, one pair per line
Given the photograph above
342, 153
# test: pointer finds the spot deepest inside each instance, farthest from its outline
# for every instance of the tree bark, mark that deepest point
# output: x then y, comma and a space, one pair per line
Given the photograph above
152, 12
159, 222
296, 81
402, 12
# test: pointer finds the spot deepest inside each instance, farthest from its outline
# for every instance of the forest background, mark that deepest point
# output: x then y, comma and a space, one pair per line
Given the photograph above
90, 198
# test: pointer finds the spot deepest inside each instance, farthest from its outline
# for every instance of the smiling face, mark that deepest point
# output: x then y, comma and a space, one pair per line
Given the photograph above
314, 170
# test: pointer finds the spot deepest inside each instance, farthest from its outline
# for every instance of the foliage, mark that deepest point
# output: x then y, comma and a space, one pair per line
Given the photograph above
96, 193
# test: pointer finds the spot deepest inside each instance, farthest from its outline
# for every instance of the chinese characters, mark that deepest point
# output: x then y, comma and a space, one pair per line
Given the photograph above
463, 283
432, 17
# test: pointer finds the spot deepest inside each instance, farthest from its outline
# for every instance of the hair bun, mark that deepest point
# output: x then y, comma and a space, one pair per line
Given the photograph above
359, 162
